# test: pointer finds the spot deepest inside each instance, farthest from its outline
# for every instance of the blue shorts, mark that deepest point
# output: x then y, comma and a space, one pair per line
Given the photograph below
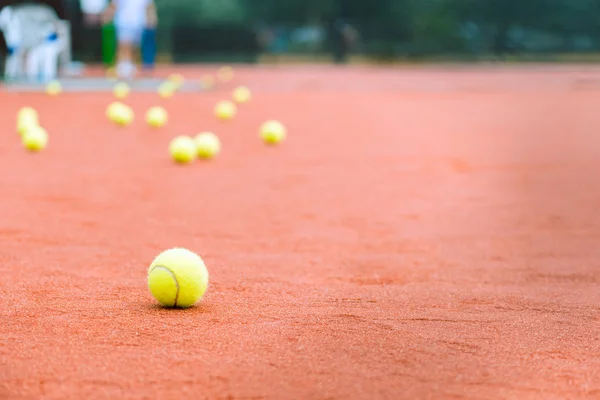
129, 34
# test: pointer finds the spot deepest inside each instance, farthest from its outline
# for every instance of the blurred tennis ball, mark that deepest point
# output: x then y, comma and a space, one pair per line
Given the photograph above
53, 88
273, 132
113, 109
35, 139
124, 116
207, 81
225, 110
27, 112
225, 74
119, 113
208, 145
166, 89
121, 90
177, 80
157, 117
26, 122
242, 95
183, 149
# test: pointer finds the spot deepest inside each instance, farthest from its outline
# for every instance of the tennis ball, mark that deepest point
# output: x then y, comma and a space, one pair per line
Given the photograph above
225, 73
166, 90
113, 109
53, 88
242, 95
25, 123
157, 117
208, 145
225, 110
207, 81
27, 112
121, 90
123, 115
177, 80
183, 149
177, 278
272, 132
35, 139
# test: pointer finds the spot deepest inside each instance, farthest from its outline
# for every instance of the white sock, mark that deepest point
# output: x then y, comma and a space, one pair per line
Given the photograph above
125, 69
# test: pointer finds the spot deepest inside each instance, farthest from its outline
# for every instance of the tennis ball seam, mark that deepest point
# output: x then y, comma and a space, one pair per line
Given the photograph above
174, 279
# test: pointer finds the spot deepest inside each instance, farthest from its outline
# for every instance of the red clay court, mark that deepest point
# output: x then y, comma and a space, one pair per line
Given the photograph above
423, 233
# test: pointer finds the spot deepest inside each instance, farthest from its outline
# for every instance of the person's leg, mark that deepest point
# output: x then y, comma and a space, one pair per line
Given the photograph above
128, 38
148, 49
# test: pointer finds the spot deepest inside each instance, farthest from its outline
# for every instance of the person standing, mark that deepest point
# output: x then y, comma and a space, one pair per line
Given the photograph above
341, 35
132, 18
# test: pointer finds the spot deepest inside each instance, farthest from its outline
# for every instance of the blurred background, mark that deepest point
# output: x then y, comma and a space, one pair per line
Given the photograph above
259, 31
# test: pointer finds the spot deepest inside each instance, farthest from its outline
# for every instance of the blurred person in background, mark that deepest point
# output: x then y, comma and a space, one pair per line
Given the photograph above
92, 11
341, 35
132, 19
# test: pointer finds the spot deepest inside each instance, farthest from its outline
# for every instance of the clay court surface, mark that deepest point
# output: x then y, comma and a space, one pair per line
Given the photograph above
424, 233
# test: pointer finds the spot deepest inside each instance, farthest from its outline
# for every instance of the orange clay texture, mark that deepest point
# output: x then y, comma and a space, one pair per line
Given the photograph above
423, 233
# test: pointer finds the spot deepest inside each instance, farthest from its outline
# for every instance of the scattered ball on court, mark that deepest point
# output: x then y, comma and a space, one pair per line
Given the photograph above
157, 117
183, 149
177, 278
272, 132
121, 90
124, 115
208, 145
242, 95
177, 80
119, 113
166, 90
225, 74
35, 139
225, 110
25, 123
53, 88
27, 112
112, 109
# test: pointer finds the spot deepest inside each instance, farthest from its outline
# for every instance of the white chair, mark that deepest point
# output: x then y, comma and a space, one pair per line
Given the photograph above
51, 54
11, 30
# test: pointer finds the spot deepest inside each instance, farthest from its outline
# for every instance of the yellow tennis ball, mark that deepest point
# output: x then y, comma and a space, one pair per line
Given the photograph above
208, 145
183, 149
123, 115
166, 89
225, 110
26, 123
121, 90
113, 109
177, 278
273, 132
176, 79
35, 139
225, 73
53, 88
27, 112
157, 117
242, 95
